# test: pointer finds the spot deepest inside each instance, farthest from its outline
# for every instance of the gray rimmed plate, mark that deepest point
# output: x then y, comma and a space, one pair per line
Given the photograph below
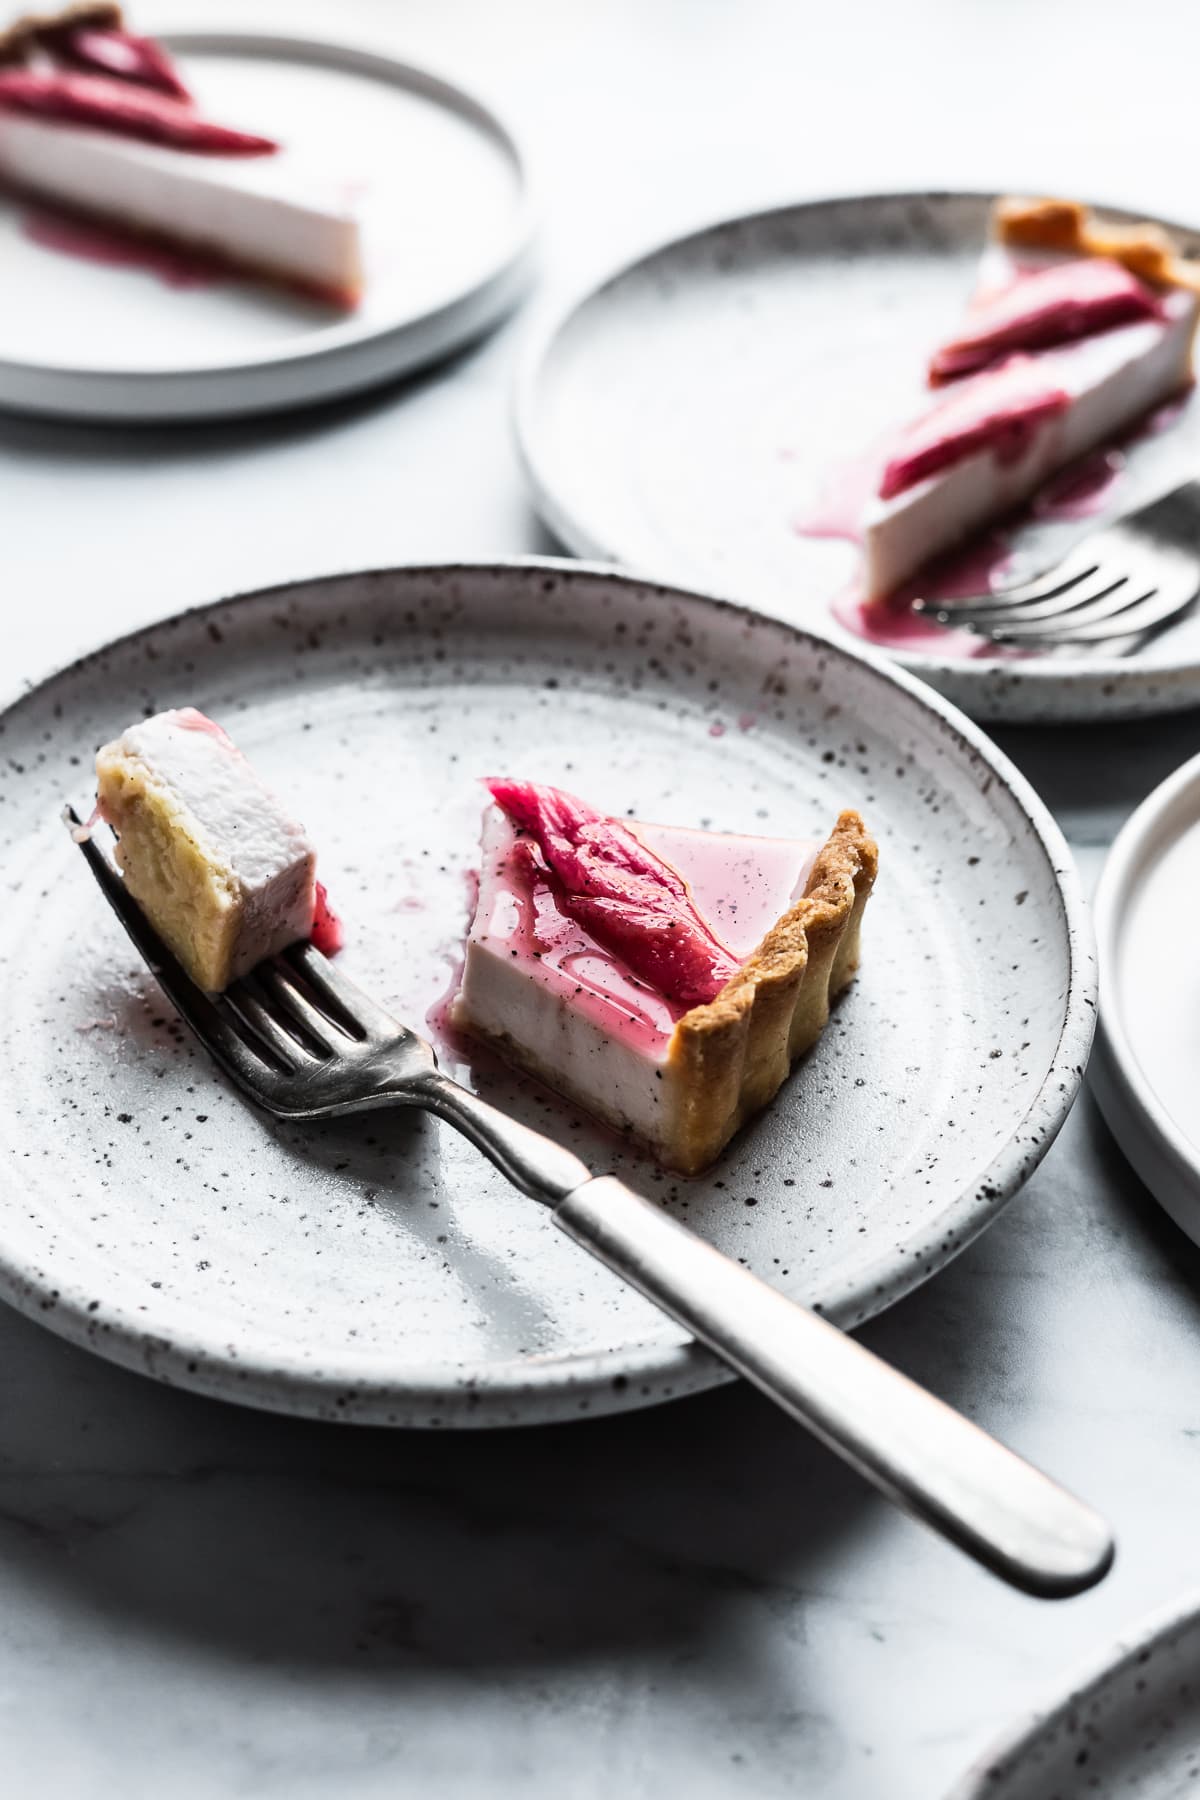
1125, 1727
687, 415
93, 331
379, 1270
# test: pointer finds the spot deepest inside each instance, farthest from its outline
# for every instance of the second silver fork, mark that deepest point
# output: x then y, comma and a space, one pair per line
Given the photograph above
1116, 587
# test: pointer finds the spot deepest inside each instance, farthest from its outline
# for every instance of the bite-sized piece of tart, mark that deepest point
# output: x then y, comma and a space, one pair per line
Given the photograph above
664, 978
99, 122
220, 868
1075, 334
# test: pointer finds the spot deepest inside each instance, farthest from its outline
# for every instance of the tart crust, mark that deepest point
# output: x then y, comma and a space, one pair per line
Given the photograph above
731, 1056
1145, 250
728, 1058
21, 36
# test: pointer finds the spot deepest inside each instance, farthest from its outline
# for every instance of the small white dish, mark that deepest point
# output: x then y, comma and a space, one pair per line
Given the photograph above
447, 223
380, 1269
1146, 1070
685, 415
1125, 1726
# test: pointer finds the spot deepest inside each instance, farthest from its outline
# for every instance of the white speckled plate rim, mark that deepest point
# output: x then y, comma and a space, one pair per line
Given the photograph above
996, 691
675, 1369
1088, 1684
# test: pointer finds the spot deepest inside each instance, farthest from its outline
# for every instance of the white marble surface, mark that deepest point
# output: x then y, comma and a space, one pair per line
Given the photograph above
197, 1602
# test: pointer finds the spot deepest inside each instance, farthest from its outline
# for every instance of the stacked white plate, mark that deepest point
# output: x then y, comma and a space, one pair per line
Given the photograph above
1146, 1070
86, 337
1123, 1728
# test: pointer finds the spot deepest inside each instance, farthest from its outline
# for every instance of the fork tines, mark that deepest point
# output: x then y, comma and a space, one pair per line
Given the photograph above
1114, 586
294, 1010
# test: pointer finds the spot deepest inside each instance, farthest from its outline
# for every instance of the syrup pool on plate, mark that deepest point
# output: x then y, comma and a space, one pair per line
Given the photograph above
893, 625
1082, 491
115, 249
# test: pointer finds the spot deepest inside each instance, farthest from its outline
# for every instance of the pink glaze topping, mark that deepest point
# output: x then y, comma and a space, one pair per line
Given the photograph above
741, 884
624, 895
978, 568
999, 410
190, 718
121, 54
1055, 305
328, 933
119, 106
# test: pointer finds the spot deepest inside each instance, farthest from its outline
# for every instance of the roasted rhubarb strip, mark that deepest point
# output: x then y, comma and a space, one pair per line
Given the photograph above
1051, 306
624, 895
120, 107
999, 410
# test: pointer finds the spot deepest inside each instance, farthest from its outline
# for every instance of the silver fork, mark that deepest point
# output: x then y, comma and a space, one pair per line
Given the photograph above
1115, 587
303, 1042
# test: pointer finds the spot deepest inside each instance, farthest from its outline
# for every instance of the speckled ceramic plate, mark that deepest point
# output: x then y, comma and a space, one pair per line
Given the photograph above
378, 1269
1127, 1727
94, 329
1146, 1071
684, 416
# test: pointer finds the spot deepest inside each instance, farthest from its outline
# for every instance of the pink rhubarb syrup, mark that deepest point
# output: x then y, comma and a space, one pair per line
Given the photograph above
328, 934
1082, 491
115, 249
439, 1016
1042, 307
891, 623
190, 718
736, 887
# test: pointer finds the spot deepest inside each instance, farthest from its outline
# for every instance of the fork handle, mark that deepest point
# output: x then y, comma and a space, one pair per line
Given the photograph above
927, 1458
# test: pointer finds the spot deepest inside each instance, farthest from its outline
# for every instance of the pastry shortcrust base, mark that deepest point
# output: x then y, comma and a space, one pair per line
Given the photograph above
726, 1060
1071, 229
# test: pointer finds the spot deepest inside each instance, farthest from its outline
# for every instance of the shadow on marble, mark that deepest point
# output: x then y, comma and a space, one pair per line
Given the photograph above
311, 1544
542, 541
80, 444
1176, 1256
365, 1151
1093, 776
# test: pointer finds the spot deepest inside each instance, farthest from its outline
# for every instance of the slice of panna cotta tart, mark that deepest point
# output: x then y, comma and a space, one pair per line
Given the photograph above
664, 978
99, 122
1075, 334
